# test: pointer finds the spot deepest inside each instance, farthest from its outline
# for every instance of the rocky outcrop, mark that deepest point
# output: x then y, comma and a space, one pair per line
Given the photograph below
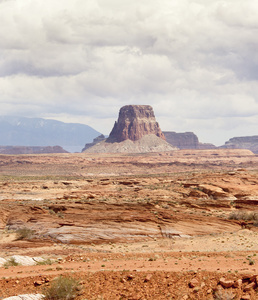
136, 131
31, 150
185, 140
133, 123
205, 146
22, 260
97, 140
26, 297
244, 142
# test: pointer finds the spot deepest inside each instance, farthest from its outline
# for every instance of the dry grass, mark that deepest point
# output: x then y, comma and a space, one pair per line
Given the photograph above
62, 288
11, 263
245, 216
24, 233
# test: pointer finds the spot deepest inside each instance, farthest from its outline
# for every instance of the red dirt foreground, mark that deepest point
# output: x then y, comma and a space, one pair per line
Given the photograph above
176, 225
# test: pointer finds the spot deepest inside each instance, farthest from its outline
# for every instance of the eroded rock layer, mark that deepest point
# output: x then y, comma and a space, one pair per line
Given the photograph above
136, 131
186, 140
244, 142
134, 122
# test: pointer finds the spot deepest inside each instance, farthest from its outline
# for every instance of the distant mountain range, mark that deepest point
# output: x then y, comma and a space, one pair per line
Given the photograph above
21, 131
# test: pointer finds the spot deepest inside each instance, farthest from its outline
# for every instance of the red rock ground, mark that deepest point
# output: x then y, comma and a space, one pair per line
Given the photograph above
132, 226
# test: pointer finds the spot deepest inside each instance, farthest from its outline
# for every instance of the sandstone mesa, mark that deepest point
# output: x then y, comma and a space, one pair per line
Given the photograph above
136, 131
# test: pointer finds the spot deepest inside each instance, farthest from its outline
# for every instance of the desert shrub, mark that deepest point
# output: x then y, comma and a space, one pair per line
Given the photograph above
24, 233
62, 288
11, 263
47, 261
250, 261
244, 215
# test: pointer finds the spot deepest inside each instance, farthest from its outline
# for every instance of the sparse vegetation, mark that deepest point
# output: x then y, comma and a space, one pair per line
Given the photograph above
60, 215
250, 261
62, 288
24, 233
11, 263
149, 217
152, 259
47, 261
245, 216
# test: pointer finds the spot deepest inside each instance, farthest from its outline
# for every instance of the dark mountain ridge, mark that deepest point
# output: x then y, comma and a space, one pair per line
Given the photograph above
22, 131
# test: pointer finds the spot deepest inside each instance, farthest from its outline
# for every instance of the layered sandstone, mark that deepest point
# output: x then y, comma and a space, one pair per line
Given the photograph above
136, 131
244, 142
133, 123
97, 140
186, 140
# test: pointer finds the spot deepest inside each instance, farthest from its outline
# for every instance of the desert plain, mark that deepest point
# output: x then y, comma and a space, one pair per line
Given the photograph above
173, 225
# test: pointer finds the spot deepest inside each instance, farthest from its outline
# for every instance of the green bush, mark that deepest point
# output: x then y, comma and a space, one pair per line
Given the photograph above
62, 288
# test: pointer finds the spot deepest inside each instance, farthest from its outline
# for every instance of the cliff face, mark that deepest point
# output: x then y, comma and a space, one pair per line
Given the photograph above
95, 141
244, 142
133, 123
185, 140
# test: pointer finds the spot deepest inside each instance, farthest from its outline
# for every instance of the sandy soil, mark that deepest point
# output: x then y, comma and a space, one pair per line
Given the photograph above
131, 226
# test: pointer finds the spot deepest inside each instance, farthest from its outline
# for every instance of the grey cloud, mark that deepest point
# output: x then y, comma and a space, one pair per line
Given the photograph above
194, 61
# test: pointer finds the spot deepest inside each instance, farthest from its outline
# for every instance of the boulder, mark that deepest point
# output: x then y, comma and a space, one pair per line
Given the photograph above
22, 260
226, 283
193, 283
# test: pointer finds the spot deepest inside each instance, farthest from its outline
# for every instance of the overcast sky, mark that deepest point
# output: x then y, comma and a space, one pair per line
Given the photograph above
194, 61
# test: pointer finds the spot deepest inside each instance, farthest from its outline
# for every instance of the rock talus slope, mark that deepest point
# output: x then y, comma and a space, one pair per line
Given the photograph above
135, 131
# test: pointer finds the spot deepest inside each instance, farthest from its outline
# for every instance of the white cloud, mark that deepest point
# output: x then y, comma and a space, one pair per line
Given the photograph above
194, 61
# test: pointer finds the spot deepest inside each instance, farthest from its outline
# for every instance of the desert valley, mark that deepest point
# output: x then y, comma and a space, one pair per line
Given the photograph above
157, 224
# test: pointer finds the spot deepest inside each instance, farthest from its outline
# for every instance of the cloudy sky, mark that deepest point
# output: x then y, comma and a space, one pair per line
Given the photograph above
194, 61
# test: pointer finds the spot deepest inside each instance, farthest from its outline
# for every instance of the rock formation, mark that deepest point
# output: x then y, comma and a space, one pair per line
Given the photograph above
133, 123
244, 142
185, 140
135, 131
95, 141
